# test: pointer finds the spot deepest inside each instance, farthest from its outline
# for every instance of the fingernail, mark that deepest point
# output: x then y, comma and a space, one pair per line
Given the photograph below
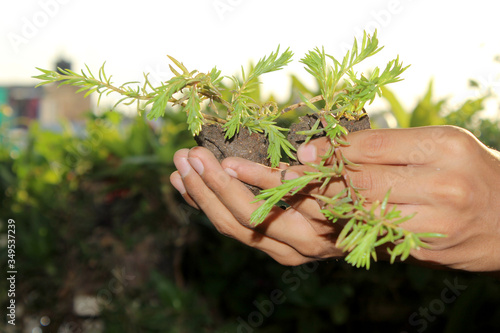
196, 164
290, 175
178, 184
307, 153
231, 172
183, 166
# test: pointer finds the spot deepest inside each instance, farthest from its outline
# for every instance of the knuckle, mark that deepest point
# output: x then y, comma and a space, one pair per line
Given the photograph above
314, 249
460, 142
322, 145
225, 229
454, 190
460, 194
375, 145
217, 181
364, 180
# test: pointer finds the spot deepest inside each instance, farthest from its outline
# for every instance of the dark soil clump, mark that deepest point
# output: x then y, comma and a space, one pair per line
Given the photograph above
251, 146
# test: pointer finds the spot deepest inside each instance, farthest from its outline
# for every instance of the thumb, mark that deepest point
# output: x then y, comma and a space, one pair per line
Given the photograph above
253, 173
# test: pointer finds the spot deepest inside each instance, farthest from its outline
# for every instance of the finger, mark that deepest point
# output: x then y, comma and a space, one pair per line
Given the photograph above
225, 222
287, 226
310, 208
283, 165
177, 183
461, 258
423, 219
374, 181
266, 177
231, 192
408, 184
414, 146
418, 223
253, 173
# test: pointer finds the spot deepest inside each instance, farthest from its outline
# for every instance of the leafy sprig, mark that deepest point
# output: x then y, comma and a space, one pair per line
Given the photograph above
188, 90
345, 95
369, 228
102, 84
246, 108
328, 76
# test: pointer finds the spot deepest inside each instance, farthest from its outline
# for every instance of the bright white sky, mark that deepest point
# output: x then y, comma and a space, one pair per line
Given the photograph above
451, 41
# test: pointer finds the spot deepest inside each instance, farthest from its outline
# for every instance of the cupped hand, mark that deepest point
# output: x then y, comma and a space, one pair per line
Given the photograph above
441, 173
292, 237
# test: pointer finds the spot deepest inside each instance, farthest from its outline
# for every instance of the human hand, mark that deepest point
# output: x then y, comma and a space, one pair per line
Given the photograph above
443, 174
292, 237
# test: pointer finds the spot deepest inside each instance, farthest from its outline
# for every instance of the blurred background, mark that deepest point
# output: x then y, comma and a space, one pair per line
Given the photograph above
104, 243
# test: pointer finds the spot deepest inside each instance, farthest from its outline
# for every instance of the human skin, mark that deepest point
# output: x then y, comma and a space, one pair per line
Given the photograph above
443, 174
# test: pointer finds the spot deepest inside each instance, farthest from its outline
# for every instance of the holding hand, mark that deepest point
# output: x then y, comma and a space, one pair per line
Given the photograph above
441, 173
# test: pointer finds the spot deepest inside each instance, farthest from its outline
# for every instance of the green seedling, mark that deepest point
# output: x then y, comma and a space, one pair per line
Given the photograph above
343, 95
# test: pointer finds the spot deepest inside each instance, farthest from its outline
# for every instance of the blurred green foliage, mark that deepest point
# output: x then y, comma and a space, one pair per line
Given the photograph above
96, 216
429, 112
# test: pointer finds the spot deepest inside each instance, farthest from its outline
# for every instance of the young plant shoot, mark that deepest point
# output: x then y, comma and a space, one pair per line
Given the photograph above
344, 93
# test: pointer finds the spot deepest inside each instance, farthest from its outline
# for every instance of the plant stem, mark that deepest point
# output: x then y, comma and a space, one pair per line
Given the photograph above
214, 119
298, 105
